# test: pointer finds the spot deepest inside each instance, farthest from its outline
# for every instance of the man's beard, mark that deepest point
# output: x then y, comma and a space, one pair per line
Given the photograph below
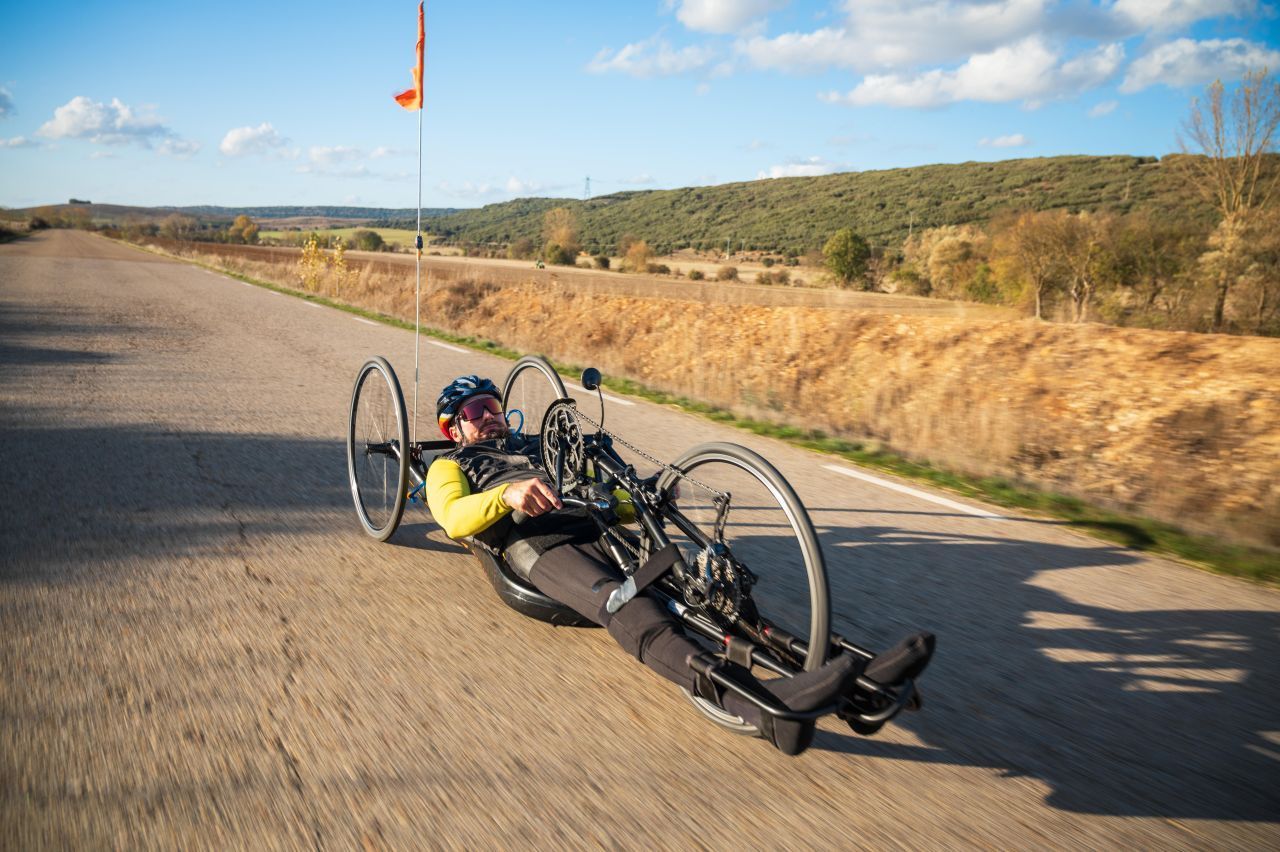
491, 432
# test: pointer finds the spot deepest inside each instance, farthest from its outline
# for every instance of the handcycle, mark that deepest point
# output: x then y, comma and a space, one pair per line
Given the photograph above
719, 538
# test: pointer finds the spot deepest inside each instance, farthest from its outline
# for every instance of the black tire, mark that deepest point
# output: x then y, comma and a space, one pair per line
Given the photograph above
768, 530
530, 388
377, 449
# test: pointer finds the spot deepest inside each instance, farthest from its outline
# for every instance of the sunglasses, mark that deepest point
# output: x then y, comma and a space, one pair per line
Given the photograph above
477, 408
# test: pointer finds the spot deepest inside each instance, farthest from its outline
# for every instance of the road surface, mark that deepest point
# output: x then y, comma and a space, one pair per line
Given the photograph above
201, 649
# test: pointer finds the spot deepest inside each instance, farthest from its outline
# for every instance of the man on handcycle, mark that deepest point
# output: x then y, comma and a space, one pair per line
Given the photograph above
473, 492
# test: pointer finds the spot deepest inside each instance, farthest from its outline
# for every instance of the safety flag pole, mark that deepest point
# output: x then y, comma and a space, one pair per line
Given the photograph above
411, 99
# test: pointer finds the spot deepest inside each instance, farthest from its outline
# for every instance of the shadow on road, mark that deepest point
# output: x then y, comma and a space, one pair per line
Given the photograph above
1165, 713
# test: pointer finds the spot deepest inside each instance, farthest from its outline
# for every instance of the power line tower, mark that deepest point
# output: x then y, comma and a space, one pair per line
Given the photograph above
586, 192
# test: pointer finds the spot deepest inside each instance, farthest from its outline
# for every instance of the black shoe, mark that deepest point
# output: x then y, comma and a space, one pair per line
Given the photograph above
907, 659
801, 693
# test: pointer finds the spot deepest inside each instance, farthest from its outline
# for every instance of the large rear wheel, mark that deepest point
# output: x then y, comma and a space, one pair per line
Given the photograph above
378, 449
530, 388
749, 539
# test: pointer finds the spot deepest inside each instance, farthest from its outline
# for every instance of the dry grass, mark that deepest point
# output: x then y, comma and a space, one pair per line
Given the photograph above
1180, 427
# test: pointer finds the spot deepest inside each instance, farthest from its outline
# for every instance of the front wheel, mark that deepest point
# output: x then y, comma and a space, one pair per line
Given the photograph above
378, 449
750, 543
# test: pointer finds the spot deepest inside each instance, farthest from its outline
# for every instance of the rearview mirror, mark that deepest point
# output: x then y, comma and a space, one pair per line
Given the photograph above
591, 378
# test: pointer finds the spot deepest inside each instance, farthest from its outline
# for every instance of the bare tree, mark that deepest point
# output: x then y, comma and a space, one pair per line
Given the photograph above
1027, 243
1080, 243
1231, 138
560, 226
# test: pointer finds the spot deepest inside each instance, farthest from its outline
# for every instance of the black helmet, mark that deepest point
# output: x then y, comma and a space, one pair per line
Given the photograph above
457, 392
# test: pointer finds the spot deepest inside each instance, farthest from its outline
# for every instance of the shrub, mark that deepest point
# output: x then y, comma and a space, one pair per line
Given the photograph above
846, 255
658, 269
521, 249
764, 278
37, 223
696, 275
367, 240
768, 262
906, 280
602, 261
637, 257
727, 273
781, 276
555, 253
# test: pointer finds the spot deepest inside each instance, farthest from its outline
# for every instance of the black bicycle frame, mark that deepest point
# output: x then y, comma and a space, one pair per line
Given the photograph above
777, 643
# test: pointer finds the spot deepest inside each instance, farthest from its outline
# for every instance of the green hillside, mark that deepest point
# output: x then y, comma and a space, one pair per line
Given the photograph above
800, 213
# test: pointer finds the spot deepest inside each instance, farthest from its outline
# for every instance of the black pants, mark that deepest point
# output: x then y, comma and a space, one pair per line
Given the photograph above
576, 575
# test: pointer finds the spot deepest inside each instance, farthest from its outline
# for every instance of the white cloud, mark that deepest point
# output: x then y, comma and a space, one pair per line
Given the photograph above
724, 16
1175, 14
1185, 62
516, 186
808, 167
1013, 140
6, 103
102, 155
467, 189
644, 179
824, 48
263, 139
382, 152
653, 57
1104, 108
18, 142
879, 35
115, 123
181, 148
328, 156
511, 187
1028, 71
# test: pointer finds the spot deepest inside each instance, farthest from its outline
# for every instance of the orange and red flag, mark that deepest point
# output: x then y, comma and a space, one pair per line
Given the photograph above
412, 98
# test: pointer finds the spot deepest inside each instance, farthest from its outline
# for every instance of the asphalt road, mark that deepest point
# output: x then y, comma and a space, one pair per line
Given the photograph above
199, 648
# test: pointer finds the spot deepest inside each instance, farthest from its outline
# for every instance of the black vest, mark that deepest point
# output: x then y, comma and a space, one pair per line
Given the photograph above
487, 464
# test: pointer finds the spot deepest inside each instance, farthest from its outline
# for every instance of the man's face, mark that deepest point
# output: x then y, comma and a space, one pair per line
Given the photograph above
479, 419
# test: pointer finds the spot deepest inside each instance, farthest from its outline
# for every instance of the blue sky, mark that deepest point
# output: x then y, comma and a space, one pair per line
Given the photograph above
278, 103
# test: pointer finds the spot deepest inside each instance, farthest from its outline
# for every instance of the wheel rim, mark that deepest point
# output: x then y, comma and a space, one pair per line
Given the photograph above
376, 423
768, 531
530, 389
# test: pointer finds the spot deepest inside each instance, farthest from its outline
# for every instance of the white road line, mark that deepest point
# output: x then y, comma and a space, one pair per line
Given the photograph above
313, 305
914, 492
618, 400
363, 320
450, 348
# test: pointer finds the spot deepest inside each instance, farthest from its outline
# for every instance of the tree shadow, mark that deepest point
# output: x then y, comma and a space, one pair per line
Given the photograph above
1122, 711
21, 328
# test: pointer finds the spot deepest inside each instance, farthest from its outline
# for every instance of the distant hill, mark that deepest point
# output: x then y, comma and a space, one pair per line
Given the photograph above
119, 213
801, 213
783, 214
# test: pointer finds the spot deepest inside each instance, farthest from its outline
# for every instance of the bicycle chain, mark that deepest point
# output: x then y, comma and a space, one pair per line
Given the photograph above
661, 464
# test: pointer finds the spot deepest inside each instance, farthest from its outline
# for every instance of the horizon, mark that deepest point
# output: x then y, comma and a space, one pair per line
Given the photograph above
532, 102
198, 205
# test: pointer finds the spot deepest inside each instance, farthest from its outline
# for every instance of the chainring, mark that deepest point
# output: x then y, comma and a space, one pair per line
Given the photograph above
562, 443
